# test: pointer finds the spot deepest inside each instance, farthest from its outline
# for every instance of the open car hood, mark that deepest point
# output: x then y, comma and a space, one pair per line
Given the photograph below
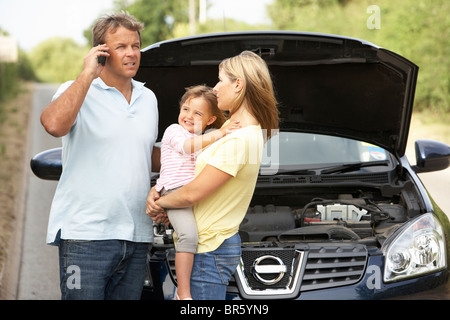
324, 84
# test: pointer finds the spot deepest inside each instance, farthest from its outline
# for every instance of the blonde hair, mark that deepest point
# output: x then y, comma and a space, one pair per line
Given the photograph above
208, 94
112, 22
257, 90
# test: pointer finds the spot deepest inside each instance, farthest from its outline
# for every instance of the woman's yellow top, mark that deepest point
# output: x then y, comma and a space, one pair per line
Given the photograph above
219, 215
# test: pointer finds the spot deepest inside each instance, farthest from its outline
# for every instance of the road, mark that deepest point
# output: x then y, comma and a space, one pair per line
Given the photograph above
39, 271
39, 274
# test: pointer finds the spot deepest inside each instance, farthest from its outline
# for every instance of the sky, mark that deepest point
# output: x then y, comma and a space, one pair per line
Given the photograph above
32, 21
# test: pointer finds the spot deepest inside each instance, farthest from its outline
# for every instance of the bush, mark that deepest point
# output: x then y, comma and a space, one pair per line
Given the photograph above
11, 75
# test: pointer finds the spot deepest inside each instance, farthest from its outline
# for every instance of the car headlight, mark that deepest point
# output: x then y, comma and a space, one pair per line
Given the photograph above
417, 249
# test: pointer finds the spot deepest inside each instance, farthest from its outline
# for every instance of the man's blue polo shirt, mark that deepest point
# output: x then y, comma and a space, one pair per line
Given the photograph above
106, 162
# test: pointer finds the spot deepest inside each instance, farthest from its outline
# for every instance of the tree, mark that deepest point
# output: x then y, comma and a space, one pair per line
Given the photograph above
57, 59
417, 30
159, 17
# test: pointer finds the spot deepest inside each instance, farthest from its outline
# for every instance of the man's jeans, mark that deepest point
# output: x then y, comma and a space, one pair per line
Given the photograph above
105, 269
212, 270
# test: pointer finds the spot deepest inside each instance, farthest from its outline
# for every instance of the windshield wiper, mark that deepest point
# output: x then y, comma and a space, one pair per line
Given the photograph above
342, 168
348, 167
273, 171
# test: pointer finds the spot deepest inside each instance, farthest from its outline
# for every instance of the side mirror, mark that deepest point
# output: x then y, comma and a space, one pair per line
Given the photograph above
431, 156
47, 165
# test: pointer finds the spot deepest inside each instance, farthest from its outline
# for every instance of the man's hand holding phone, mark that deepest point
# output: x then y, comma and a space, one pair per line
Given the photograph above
95, 60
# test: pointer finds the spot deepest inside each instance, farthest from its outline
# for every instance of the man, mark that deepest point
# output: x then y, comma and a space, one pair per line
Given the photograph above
108, 124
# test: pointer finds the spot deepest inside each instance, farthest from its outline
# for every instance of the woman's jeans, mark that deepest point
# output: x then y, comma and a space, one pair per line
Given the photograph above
212, 270
104, 269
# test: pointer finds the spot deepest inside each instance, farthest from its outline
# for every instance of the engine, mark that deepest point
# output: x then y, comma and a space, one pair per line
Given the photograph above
343, 218
367, 217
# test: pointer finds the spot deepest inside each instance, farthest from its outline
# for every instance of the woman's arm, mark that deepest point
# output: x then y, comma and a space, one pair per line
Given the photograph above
209, 180
155, 212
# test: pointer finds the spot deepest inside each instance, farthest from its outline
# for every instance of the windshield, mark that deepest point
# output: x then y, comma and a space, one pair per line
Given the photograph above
288, 151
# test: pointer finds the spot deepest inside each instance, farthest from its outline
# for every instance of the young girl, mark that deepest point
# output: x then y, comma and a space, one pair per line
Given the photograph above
179, 147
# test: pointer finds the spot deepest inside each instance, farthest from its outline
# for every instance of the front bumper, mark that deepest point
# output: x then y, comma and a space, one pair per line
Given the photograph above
359, 278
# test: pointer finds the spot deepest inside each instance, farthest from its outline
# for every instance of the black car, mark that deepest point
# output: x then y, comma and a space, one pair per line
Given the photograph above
338, 211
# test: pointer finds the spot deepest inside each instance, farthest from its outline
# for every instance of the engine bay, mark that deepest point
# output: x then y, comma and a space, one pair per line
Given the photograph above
359, 213
367, 215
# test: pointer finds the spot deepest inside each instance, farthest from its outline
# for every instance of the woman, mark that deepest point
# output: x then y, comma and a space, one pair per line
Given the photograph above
226, 174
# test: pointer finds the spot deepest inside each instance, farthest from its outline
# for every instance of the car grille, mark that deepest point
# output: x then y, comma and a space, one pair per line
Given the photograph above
310, 267
332, 266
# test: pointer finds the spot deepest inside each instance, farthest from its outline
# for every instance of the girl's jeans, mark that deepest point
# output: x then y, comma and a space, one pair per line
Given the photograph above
105, 269
212, 270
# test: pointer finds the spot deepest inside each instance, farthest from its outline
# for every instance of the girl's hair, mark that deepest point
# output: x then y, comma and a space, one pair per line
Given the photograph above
112, 22
208, 94
257, 90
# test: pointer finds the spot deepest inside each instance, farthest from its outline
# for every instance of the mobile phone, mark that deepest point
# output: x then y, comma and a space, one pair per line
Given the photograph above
101, 60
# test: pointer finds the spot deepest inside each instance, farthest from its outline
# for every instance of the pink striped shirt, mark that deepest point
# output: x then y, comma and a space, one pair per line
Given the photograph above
177, 167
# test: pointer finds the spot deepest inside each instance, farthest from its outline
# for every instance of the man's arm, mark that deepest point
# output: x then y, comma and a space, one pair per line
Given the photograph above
59, 116
156, 159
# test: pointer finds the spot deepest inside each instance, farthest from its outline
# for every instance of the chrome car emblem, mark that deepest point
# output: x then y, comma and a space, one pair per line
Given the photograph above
268, 265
